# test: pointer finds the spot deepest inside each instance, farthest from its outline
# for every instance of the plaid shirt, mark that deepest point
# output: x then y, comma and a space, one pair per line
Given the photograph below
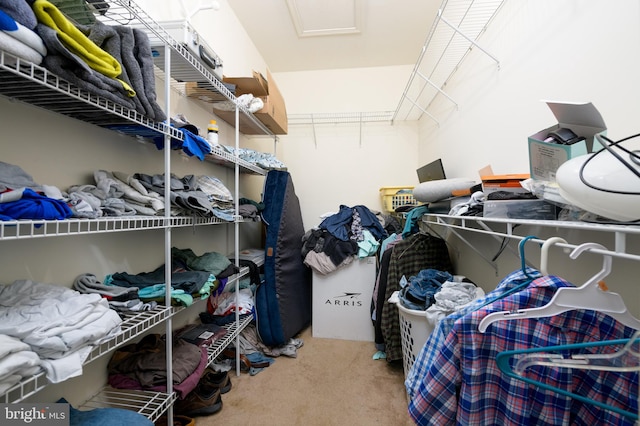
408, 258
464, 385
436, 339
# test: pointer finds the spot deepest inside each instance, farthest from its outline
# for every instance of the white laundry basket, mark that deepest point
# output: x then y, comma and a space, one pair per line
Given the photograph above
414, 330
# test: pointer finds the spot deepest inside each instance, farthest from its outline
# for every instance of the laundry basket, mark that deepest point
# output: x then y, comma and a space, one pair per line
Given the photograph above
414, 331
396, 196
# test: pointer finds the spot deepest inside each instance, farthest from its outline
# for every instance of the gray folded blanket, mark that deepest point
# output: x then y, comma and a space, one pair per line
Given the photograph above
130, 47
64, 63
132, 50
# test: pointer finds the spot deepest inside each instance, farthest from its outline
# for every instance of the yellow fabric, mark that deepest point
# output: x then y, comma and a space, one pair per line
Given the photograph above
97, 59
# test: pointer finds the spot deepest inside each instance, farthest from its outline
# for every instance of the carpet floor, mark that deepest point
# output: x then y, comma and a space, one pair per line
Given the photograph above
329, 382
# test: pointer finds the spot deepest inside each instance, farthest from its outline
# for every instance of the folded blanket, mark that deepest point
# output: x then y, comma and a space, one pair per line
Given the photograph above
78, 43
143, 53
121, 42
65, 64
21, 11
21, 33
19, 49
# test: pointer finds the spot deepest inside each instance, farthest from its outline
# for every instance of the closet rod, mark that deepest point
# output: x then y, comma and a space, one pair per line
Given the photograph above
440, 221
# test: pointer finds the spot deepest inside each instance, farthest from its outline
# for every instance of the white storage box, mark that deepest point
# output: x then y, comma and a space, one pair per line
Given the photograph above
341, 302
414, 332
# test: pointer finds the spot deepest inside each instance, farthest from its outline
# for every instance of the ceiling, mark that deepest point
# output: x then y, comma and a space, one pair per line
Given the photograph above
303, 35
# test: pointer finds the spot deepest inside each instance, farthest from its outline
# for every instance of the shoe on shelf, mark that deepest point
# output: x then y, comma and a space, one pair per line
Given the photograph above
220, 380
202, 401
178, 420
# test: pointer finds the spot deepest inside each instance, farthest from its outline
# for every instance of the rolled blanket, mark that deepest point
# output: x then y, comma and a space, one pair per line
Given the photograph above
21, 33
21, 11
96, 58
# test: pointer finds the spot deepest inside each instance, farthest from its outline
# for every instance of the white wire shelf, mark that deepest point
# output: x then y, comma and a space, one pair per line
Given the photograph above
22, 229
233, 330
150, 404
454, 33
132, 326
340, 118
506, 228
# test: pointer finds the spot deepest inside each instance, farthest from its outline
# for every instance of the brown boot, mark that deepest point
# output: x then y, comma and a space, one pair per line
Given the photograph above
220, 380
202, 401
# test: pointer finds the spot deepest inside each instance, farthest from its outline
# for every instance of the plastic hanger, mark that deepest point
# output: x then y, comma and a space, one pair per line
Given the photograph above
626, 359
523, 265
589, 296
502, 360
544, 253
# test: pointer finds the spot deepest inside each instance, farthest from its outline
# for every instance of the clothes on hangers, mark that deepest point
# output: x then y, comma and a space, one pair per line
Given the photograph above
624, 360
464, 385
436, 339
409, 256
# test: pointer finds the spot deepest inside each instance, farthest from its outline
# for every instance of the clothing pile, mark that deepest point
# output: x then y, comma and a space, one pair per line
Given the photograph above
121, 194
59, 324
341, 237
114, 62
115, 194
120, 299
17, 361
263, 160
192, 276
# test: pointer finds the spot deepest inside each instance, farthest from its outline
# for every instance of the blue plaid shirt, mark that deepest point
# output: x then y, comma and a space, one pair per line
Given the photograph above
435, 342
464, 385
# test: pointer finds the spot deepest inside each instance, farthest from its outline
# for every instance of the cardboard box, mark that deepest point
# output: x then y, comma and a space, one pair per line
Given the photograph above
206, 92
341, 302
508, 182
584, 119
274, 113
519, 209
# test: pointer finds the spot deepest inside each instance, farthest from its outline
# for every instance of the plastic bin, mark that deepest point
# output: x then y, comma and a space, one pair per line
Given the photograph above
391, 199
414, 331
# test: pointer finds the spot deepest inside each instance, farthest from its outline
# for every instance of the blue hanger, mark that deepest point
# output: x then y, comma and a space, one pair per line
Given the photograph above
502, 360
520, 286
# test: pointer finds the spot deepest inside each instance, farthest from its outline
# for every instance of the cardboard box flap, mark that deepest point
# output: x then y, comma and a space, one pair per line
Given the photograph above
577, 113
256, 85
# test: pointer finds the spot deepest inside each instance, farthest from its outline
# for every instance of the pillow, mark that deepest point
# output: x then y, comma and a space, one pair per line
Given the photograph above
436, 190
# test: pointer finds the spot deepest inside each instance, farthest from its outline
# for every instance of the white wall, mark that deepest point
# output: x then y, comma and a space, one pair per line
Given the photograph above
569, 50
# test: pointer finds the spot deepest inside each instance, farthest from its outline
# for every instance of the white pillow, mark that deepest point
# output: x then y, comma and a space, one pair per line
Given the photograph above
436, 190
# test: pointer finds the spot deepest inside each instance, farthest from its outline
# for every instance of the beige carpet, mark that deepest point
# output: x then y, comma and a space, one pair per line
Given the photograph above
330, 382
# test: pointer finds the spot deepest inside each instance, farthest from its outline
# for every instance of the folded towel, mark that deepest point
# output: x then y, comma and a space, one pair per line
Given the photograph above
78, 43
19, 49
21, 11
21, 33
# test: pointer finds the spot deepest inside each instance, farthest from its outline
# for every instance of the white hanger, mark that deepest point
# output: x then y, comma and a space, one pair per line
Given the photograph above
625, 360
544, 253
589, 296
